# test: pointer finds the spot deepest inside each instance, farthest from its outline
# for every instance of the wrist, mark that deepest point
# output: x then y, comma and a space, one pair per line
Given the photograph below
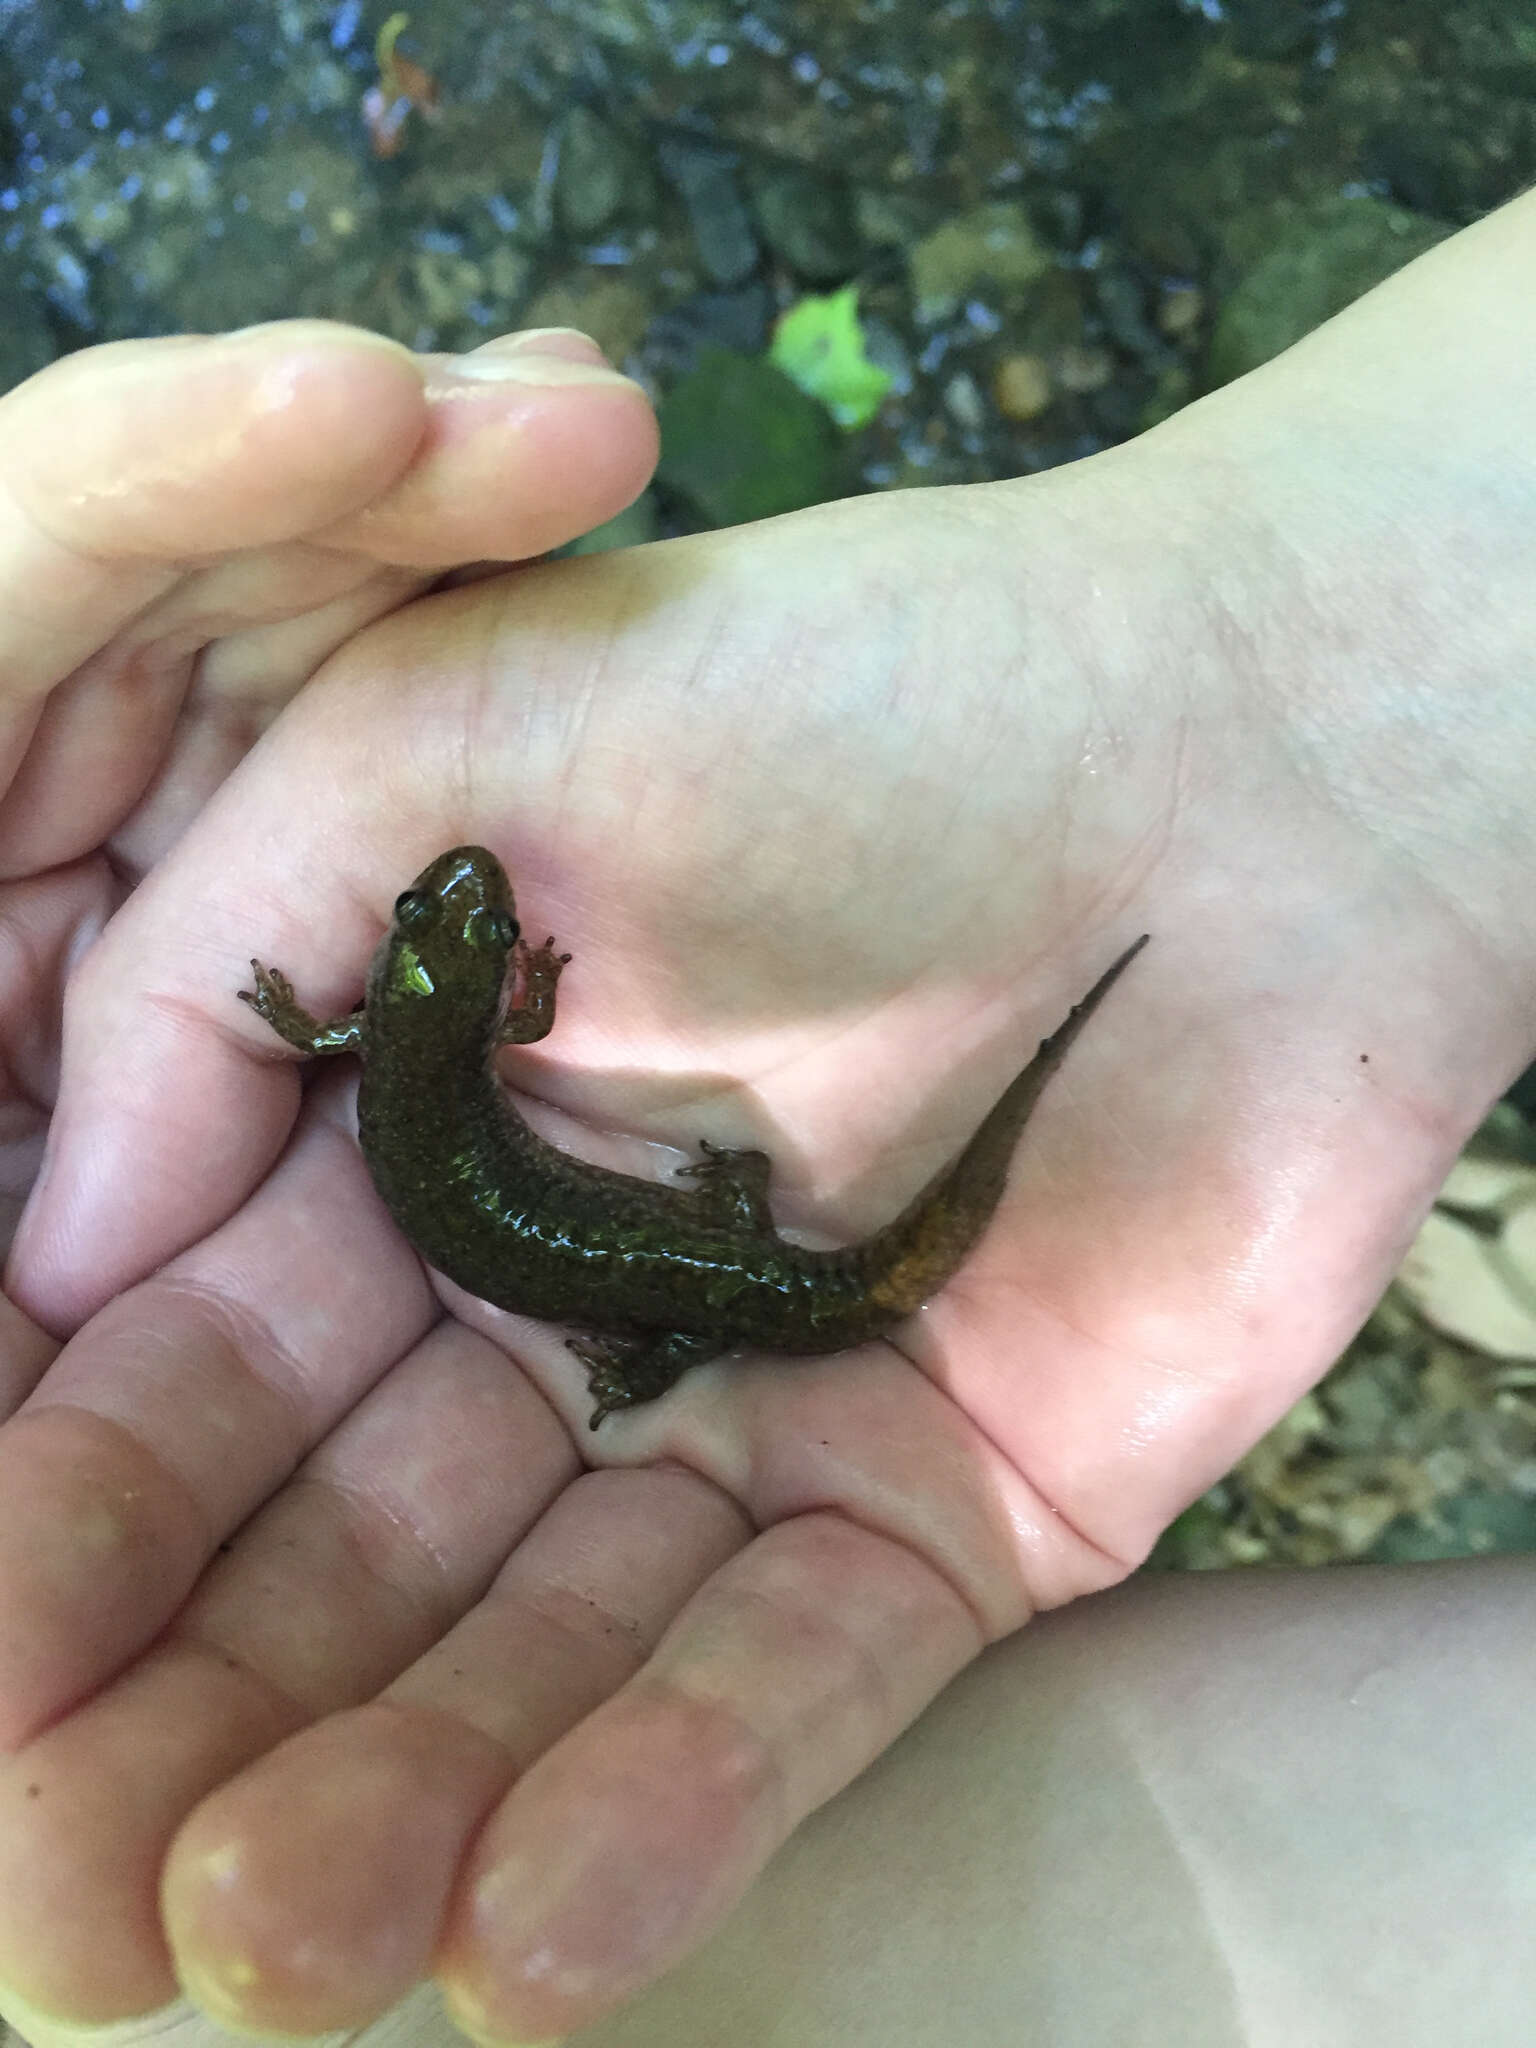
1371, 502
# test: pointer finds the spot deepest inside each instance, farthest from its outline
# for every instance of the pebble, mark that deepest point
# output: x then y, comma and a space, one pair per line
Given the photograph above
994, 241
722, 227
807, 222
1081, 368
595, 174
1021, 387
1180, 311
612, 312
967, 407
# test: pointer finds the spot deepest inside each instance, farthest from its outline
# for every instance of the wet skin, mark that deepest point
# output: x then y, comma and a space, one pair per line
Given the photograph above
663, 1277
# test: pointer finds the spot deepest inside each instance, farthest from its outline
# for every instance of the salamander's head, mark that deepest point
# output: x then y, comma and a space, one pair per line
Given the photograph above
451, 936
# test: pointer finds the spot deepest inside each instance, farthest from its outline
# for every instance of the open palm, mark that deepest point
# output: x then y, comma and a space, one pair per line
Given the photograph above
837, 817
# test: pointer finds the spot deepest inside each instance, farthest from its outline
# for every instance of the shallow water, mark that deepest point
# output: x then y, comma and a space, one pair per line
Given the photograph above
1045, 208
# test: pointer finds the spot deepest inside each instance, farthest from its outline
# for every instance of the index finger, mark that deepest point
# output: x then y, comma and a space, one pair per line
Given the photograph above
174, 1098
275, 430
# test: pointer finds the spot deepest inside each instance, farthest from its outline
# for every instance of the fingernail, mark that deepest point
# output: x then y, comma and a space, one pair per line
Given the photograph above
533, 367
569, 342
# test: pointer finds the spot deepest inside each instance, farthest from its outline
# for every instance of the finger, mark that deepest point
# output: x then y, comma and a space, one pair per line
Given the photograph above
189, 1099
311, 1890
46, 924
509, 451
531, 440
506, 468
629, 1841
239, 683
125, 462
125, 467
310, 1893
297, 862
174, 1082
26, 1352
144, 730
388, 1532
180, 1411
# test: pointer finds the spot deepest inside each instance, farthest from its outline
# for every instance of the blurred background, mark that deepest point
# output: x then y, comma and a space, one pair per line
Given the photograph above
854, 245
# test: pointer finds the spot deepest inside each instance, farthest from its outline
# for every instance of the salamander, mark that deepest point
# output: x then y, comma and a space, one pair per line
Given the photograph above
657, 1277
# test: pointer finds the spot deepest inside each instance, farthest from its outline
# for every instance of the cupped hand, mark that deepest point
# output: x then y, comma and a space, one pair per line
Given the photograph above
188, 527
336, 1650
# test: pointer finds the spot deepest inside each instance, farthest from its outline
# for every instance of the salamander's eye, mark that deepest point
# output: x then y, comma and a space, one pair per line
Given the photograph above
414, 907
508, 930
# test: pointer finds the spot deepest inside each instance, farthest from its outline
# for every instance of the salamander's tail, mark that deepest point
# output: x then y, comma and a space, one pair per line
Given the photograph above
910, 1260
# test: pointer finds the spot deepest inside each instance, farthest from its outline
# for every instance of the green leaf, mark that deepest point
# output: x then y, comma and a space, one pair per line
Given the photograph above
740, 441
820, 345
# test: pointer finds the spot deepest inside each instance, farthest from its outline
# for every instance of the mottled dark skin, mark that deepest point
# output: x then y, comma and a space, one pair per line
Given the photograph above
663, 1276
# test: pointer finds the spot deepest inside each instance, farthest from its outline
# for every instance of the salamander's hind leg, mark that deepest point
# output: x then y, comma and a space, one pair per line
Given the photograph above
733, 1186
624, 1371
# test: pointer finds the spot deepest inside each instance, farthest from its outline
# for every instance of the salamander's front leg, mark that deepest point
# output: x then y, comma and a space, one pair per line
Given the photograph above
273, 999
533, 1014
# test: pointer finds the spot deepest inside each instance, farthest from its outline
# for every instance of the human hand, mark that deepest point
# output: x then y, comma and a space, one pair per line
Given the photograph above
931, 761
188, 527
